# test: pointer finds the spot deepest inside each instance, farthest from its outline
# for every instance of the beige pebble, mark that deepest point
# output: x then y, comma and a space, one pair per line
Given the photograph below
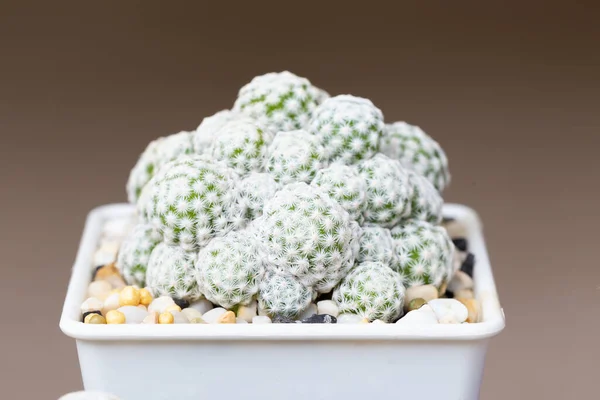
193, 315
115, 317
142, 307
464, 294
365, 321
91, 304
111, 303
159, 304
417, 303
425, 292
460, 281
248, 312
111, 274
442, 289
99, 289
227, 318
94, 319
145, 297
151, 318
173, 307
166, 318
129, 296
474, 309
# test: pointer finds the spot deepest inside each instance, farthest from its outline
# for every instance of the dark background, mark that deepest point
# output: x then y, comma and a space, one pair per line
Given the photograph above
510, 89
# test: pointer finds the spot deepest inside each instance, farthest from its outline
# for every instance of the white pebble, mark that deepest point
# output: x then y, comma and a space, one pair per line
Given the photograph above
328, 307
160, 304
111, 303
240, 321
202, 305
99, 289
117, 228
248, 312
91, 304
422, 315
449, 311
309, 312
425, 292
133, 314
213, 315
151, 318
460, 281
378, 322
191, 313
179, 317
349, 319
106, 253
261, 319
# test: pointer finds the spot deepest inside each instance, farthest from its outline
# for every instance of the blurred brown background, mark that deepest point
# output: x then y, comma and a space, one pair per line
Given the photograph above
511, 90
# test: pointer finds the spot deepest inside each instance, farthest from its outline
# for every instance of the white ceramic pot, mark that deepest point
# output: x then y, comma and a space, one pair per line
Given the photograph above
283, 361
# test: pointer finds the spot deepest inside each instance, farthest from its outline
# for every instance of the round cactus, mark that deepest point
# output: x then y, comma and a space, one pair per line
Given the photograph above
348, 127
158, 152
134, 254
253, 192
279, 101
418, 151
427, 203
242, 146
171, 272
203, 137
344, 184
230, 269
307, 234
389, 190
376, 245
294, 156
371, 290
281, 294
191, 200
423, 253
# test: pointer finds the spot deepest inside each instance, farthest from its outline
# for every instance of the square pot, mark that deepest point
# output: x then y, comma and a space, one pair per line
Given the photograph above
283, 361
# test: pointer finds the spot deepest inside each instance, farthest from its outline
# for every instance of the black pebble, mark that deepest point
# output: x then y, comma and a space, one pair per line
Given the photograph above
182, 303
280, 319
95, 272
460, 243
449, 294
468, 264
85, 314
320, 319
446, 220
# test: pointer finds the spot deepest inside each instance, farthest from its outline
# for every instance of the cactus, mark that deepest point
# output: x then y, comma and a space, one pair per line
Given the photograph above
171, 272
371, 290
389, 190
158, 152
191, 200
426, 203
344, 184
376, 245
134, 253
230, 269
423, 253
203, 137
348, 127
281, 294
253, 192
279, 101
294, 156
418, 151
307, 234
242, 146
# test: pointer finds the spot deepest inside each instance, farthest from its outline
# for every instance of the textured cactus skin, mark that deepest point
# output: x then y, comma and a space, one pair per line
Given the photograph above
389, 190
281, 294
307, 234
418, 151
242, 146
344, 184
253, 192
348, 127
278, 101
134, 254
423, 253
191, 200
376, 245
171, 272
230, 269
426, 203
158, 152
295, 156
371, 290
203, 137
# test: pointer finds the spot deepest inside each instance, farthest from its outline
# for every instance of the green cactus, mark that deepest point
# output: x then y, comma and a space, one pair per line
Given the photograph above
348, 127
204, 136
376, 245
281, 294
134, 253
371, 290
253, 192
426, 203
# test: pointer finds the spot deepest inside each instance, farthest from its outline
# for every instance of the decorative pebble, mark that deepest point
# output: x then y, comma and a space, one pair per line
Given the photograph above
280, 319
179, 317
142, 307
109, 273
464, 294
145, 297
320, 319
473, 308
227, 318
160, 304
133, 314
173, 307
213, 315
129, 296
261, 319
262, 311
248, 312
117, 228
423, 315
449, 311
111, 303
468, 264
378, 322
460, 243
166, 318
349, 319
106, 253
202, 305
182, 303
240, 321
309, 312
327, 307
94, 318
460, 281
191, 313
91, 304
425, 292
365, 321
151, 318
99, 289
417, 303
115, 317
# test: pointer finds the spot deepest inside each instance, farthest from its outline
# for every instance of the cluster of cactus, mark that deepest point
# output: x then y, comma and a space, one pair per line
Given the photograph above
291, 194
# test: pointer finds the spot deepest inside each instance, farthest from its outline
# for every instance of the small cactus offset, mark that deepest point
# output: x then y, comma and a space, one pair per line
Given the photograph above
389, 190
204, 136
191, 200
376, 245
279, 101
423, 253
134, 254
281, 294
307, 234
418, 151
371, 290
242, 146
426, 203
171, 272
253, 192
230, 269
295, 156
348, 127
344, 184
